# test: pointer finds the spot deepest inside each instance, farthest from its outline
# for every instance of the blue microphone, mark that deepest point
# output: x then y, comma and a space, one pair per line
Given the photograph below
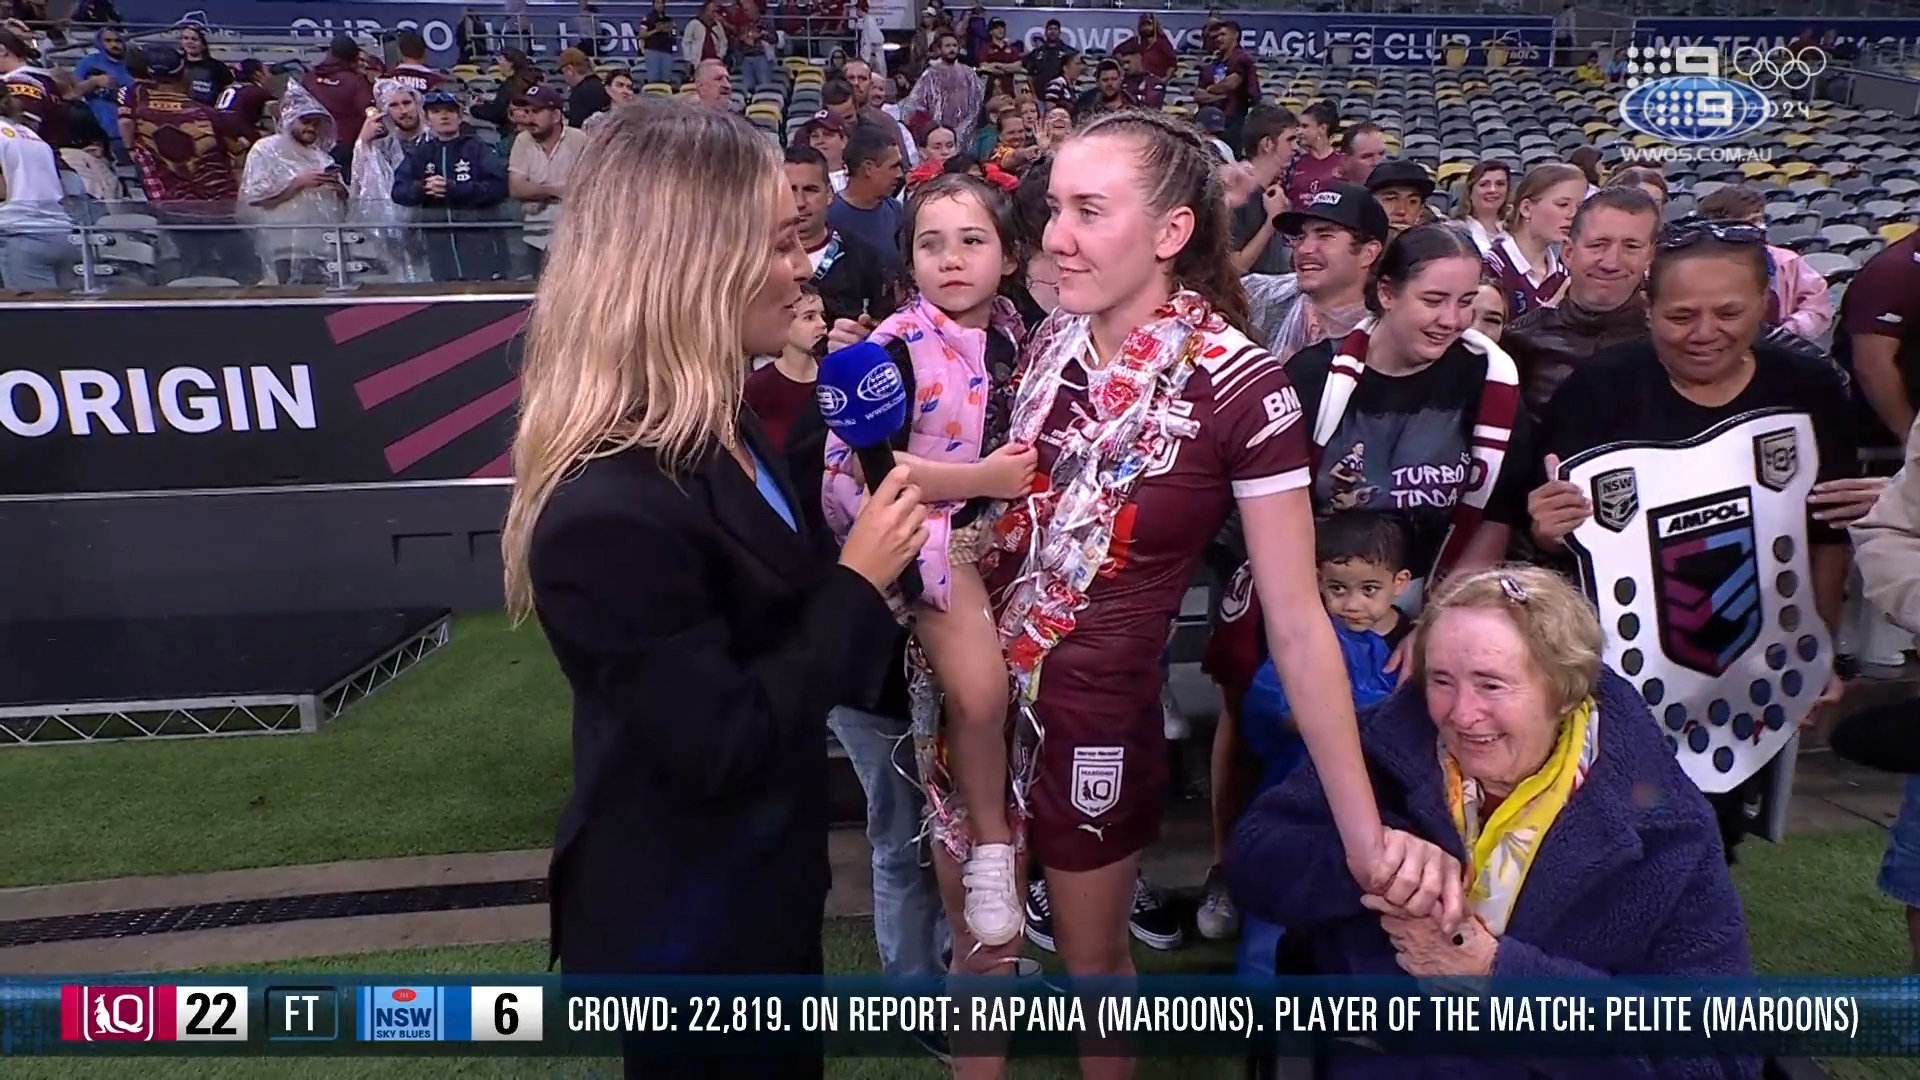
863, 399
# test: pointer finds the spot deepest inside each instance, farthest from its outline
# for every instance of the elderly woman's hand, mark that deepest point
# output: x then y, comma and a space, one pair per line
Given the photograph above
1423, 948
1840, 503
1416, 879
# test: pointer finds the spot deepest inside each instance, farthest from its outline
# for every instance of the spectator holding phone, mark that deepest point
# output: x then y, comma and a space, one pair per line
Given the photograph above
291, 187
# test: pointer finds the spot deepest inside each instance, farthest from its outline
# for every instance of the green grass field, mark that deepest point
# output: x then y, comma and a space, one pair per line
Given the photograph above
467, 752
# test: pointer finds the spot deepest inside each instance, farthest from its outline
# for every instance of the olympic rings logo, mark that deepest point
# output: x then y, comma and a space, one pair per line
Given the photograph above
1779, 67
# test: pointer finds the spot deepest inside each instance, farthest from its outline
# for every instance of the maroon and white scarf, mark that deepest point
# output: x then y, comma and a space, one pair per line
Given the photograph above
1516, 275
1487, 444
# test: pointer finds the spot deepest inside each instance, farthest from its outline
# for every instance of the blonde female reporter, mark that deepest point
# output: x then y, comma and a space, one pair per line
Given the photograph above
704, 628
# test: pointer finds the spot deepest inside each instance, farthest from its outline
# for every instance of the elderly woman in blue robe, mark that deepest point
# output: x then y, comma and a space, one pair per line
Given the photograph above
1591, 854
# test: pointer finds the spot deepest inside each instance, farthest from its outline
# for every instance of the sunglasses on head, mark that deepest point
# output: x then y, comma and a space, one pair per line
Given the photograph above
1693, 229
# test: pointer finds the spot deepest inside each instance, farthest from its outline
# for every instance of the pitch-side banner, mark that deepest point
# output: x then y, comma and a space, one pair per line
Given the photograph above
1730, 35
115, 398
1403, 40
1696, 555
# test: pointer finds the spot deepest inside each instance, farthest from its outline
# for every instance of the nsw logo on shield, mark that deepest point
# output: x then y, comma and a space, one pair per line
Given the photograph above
1706, 579
1616, 498
1097, 772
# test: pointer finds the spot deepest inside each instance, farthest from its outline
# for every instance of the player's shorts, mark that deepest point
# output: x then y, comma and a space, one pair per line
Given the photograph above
1099, 787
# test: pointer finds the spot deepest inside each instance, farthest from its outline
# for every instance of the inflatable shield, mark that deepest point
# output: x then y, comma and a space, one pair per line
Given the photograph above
1696, 556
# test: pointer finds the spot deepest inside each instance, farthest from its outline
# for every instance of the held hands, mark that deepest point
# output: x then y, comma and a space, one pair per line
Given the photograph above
1413, 879
435, 186
889, 532
1557, 507
1424, 948
1009, 471
1840, 503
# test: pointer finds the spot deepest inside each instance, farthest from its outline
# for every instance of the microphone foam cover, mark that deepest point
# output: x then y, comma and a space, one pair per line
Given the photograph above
862, 397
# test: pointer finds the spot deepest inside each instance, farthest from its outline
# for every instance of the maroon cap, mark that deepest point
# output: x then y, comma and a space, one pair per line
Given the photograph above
538, 97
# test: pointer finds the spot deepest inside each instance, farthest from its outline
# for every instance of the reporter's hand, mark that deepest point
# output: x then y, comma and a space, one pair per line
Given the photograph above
845, 332
1010, 471
1557, 507
888, 533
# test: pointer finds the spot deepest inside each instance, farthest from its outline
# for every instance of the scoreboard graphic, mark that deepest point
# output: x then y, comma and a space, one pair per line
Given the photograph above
301, 1014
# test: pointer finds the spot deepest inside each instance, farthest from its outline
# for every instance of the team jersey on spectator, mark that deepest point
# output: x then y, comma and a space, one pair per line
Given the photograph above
248, 104
1307, 176
1146, 88
207, 78
417, 77
1238, 61
185, 156
1883, 300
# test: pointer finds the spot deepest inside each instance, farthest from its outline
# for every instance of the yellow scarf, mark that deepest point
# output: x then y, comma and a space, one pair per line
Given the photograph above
1504, 844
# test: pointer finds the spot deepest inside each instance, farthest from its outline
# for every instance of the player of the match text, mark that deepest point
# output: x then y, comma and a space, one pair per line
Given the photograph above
1218, 1014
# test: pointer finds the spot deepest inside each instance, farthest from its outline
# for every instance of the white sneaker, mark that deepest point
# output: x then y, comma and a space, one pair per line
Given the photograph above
993, 911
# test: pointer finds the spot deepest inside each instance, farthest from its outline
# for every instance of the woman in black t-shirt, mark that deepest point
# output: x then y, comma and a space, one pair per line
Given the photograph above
1705, 364
1412, 413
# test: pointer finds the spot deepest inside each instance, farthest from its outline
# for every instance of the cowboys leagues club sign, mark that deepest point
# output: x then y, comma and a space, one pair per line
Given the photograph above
1400, 40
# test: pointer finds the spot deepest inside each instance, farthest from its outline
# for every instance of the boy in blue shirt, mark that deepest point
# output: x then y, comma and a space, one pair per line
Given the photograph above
1362, 566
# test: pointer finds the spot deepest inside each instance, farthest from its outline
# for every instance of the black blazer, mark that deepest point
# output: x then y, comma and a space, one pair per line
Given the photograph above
705, 642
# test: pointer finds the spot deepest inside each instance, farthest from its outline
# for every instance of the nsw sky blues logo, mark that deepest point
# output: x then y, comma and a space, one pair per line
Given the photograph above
1678, 95
402, 1014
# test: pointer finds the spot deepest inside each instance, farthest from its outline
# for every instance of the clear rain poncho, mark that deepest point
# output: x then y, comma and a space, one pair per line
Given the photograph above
1285, 321
293, 255
951, 96
387, 225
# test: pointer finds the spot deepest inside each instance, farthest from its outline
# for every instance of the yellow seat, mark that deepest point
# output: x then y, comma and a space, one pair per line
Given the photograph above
1451, 171
1644, 141
1795, 170
1796, 139
464, 71
1754, 170
1595, 127
658, 89
1897, 231
795, 64
1497, 56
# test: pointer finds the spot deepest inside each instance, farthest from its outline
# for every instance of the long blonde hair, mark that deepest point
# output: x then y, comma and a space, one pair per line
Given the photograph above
635, 333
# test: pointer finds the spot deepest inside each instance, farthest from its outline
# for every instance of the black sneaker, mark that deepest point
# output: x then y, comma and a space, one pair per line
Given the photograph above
1039, 914
1153, 922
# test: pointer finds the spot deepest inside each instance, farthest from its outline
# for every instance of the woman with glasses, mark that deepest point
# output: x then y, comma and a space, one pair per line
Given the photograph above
1705, 368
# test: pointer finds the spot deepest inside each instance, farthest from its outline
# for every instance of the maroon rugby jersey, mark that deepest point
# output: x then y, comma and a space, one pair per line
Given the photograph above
40, 102
248, 102
1506, 265
417, 78
1309, 175
1247, 440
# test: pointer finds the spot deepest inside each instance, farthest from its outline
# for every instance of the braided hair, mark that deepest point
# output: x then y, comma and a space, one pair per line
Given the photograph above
1175, 167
